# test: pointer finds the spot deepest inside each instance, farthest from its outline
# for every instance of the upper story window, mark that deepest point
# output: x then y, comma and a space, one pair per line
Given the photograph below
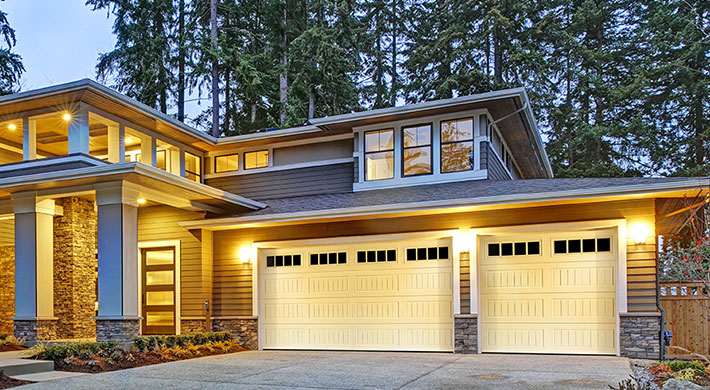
193, 167
228, 163
416, 150
256, 159
379, 154
457, 145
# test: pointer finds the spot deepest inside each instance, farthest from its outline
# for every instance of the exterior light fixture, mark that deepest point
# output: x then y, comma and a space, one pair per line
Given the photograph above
12, 126
141, 201
129, 140
66, 116
463, 240
639, 232
245, 254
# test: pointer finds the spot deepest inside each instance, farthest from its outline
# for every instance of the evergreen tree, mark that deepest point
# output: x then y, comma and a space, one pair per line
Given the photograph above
139, 64
11, 67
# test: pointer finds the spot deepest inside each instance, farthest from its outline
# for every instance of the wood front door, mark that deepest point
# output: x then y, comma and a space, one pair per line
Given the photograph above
158, 301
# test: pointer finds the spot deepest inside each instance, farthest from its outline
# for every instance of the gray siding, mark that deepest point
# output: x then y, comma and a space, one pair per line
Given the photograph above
325, 179
496, 170
313, 152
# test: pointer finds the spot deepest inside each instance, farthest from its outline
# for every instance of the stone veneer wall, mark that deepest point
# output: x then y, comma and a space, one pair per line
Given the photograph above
120, 331
640, 335
32, 331
75, 262
7, 288
245, 330
465, 333
192, 326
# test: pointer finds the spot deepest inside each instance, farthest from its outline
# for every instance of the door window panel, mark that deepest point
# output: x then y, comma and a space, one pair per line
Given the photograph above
159, 298
160, 318
159, 257
159, 278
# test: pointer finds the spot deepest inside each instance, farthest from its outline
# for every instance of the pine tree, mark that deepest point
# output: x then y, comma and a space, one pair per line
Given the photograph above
11, 67
139, 64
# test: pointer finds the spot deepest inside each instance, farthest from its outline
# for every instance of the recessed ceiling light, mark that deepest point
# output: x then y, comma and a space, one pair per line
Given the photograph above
141, 201
66, 116
12, 126
129, 140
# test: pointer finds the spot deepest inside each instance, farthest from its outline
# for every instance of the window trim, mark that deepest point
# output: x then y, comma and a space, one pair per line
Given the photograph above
472, 141
268, 159
365, 152
226, 155
430, 145
199, 160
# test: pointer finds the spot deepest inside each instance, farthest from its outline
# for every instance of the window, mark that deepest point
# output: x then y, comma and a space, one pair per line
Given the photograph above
257, 159
329, 258
379, 154
416, 150
377, 256
587, 245
226, 163
161, 160
283, 261
193, 167
457, 145
528, 248
433, 253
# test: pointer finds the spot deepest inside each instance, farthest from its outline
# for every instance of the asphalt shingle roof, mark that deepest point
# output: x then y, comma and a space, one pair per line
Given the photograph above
447, 191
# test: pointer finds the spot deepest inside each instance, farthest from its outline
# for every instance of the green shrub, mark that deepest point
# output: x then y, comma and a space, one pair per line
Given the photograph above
683, 365
145, 343
4, 336
79, 350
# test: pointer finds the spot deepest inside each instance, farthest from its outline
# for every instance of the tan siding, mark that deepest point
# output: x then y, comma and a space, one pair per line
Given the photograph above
7, 232
159, 223
465, 280
641, 260
7, 156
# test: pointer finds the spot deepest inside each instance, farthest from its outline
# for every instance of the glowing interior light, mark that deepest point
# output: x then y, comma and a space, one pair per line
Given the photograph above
12, 126
66, 117
141, 201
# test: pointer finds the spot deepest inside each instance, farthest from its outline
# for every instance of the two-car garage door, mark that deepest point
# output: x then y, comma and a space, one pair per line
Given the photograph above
374, 296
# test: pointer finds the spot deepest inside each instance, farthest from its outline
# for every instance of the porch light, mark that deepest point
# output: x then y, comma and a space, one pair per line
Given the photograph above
12, 126
245, 254
66, 116
129, 140
639, 232
141, 201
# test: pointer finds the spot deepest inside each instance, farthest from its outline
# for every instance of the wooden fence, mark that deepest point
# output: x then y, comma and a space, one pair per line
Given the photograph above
687, 316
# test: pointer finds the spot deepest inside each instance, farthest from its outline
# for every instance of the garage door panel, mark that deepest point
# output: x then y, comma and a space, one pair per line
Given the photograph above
375, 284
426, 310
548, 302
328, 286
285, 287
427, 282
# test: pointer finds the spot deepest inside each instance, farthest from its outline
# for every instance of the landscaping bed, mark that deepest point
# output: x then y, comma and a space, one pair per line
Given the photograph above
146, 350
6, 382
696, 371
10, 343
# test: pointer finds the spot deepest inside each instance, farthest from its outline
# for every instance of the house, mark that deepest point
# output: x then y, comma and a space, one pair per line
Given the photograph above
428, 227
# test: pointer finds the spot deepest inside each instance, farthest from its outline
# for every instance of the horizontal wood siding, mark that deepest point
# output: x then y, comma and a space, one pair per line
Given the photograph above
465, 281
7, 156
326, 179
7, 232
496, 170
641, 258
159, 223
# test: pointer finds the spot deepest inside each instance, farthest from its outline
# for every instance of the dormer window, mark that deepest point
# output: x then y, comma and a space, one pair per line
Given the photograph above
457, 145
257, 159
379, 154
416, 152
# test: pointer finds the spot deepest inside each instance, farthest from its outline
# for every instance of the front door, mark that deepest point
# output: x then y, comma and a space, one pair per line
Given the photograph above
158, 299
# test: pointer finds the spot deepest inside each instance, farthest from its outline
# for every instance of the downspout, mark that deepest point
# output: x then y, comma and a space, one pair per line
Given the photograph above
663, 319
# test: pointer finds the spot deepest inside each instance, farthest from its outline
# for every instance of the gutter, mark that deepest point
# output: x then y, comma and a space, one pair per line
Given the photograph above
461, 203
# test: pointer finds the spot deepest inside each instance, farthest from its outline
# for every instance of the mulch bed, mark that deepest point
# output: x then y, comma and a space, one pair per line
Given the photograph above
100, 364
7, 382
11, 347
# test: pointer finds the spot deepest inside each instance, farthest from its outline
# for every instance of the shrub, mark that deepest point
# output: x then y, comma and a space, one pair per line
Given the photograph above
4, 336
145, 343
74, 350
696, 366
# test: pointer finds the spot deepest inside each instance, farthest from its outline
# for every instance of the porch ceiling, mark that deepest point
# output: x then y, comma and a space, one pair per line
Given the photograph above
152, 184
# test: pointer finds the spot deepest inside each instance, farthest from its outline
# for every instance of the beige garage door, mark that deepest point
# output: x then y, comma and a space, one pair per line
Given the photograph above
377, 296
549, 293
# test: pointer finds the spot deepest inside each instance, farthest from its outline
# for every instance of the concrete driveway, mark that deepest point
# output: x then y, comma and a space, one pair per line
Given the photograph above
362, 370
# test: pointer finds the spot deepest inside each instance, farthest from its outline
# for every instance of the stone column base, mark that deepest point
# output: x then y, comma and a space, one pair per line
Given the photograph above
36, 330
640, 335
117, 330
243, 329
193, 326
465, 333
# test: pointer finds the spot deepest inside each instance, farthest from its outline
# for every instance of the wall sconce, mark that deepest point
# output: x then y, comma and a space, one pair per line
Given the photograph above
463, 240
639, 231
245, 254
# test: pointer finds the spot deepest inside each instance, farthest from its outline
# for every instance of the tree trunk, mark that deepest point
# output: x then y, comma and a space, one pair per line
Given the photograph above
394, 88
215, 70
181, 62
253, 113
497, 56
227, 102
311, 103
283, 78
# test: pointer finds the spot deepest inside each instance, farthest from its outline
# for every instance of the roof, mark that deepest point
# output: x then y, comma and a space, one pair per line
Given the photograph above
452, 195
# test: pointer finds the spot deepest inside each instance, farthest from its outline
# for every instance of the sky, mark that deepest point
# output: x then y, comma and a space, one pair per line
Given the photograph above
60, 41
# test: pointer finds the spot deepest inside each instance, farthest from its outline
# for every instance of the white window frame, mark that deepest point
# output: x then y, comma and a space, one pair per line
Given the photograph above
436, 176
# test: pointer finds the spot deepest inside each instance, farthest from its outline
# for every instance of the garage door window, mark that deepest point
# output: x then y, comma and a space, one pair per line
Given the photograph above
589, 245
378, 256
329, 258
283, 261
434, 253
529, 248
